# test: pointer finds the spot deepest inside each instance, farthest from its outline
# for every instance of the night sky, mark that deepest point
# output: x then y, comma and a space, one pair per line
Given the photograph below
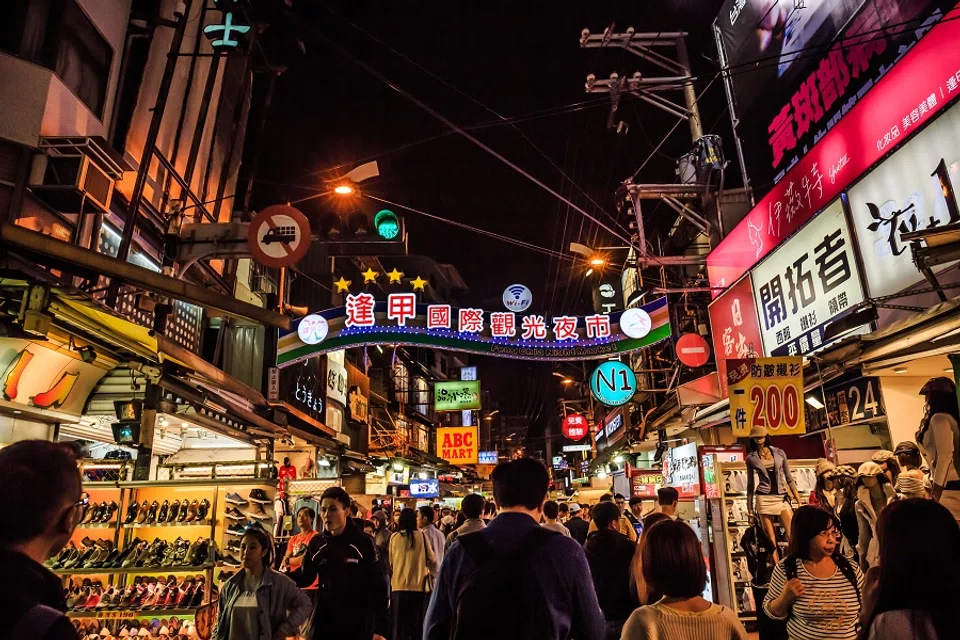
516, 59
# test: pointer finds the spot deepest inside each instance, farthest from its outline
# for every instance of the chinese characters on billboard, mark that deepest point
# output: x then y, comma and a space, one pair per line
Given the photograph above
808, 281
735, 327
766, 392
456, 395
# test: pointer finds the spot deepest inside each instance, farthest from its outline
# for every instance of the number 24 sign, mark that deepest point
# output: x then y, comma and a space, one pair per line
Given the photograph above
766, 392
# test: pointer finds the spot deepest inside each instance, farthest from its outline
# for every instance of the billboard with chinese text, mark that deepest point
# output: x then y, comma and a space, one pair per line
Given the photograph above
735, 327
768, 393
808, 281
796, 68
913, 189
456, 395
401, 320
910, 94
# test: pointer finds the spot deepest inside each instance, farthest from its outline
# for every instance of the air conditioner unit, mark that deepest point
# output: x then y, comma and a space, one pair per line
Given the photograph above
75, 184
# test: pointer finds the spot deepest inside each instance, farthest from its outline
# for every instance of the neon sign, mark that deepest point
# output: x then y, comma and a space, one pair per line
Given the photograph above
400, 320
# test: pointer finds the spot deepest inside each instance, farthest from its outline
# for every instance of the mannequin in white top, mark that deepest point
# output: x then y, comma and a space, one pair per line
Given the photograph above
939, 439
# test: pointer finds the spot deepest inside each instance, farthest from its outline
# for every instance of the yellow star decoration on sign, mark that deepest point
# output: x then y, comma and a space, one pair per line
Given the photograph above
369, 276
418, 283
395, 276
342, 285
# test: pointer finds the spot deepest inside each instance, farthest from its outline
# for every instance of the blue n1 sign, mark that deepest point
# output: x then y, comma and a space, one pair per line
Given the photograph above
613, 383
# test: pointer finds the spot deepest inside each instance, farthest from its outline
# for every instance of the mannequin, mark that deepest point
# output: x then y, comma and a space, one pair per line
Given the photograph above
912, 481
309, 469
873, 494
769, 472
939, 440
824, 496
888, 462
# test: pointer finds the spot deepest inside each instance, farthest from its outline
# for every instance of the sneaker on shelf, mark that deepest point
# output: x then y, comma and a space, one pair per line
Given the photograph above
236, 529
233, 546
258, 512
260, 496
235, 514
230, 561
234, 498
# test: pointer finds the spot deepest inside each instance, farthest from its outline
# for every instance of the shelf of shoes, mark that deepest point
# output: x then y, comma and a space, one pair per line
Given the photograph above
239, 508
146, 596
161, 624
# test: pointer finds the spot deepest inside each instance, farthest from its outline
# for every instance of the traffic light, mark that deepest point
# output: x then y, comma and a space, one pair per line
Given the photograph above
356, 231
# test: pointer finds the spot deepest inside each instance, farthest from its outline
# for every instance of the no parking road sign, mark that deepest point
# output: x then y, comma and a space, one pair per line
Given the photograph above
279, 236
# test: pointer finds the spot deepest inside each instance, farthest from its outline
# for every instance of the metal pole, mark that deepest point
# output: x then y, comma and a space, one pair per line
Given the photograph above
133, 210
689, 95
201, 127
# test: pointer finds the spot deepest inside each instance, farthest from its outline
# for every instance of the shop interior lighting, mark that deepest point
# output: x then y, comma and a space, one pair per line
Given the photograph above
398, 466
323, 462
618, 459
814, 402
602, 474
102, 466
948, 370
899, 369
589, 272
422, 475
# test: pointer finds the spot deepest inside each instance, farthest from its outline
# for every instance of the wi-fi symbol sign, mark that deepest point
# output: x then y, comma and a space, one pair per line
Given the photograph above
517, 297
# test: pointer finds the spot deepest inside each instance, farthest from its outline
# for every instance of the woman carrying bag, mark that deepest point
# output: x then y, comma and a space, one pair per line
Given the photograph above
411, 557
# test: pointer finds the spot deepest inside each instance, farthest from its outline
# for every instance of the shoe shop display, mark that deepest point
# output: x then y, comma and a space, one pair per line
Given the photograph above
234, 498
260, 496
145, 593
234, 514
237, 529
156, 513
231, 561
258, 512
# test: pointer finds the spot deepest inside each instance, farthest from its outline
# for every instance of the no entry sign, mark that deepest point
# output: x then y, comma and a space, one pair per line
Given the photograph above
692, 350
279, 236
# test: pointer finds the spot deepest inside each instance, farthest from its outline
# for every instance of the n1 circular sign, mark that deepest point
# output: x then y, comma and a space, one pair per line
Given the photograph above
575, 426
517, 297
692, 350
613, 383
313, 329
279, 236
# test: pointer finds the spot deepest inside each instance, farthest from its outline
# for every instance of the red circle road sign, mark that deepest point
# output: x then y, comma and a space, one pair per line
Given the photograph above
575, 426
693, 350
279, 236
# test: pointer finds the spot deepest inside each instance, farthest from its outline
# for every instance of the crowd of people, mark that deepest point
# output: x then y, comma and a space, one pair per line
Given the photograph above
870, 559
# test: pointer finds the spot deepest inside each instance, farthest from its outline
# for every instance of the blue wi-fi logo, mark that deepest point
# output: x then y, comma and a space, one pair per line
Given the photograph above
517, 291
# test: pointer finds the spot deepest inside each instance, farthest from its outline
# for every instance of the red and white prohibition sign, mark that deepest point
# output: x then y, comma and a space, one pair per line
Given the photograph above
279, 236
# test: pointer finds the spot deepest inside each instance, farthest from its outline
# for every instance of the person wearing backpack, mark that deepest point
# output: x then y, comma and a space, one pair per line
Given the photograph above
528, 581
816, 589
40, 506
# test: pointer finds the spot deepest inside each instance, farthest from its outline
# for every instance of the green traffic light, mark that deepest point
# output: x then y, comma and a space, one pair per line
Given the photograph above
387, 224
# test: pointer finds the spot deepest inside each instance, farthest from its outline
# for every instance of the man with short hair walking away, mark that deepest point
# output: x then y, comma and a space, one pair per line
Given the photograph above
40, 506
438, 543
610, 554
515, 579
551, 510
576, 525
472, 508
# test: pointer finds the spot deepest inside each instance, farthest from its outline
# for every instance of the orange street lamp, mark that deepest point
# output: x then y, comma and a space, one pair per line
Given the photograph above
344, 190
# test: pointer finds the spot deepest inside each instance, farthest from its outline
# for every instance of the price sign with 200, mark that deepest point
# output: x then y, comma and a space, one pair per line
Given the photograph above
775, 407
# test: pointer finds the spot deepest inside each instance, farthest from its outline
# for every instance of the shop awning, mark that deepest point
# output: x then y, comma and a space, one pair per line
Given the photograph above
357, 466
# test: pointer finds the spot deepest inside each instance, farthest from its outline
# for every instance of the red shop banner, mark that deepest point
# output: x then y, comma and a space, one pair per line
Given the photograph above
917, 88
645, 484
735, 327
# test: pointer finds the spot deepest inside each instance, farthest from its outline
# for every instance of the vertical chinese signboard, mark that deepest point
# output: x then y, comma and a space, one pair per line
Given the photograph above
913, 189
810, 280
735, 327
766, 392
809, 63
681, 471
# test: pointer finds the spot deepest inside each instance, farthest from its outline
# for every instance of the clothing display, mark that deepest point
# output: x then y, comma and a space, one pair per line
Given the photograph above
867, 546
912, 485
771, 505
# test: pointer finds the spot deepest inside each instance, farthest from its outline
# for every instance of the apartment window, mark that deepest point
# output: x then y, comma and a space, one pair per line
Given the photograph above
58, 35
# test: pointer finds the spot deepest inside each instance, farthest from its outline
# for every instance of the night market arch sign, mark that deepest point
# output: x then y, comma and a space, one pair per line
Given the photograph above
402, 320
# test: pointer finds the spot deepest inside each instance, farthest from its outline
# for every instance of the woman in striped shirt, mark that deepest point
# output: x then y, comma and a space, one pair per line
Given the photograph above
815, 589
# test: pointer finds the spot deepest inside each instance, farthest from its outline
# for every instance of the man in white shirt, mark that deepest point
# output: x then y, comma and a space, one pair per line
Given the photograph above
551, 510
425, 516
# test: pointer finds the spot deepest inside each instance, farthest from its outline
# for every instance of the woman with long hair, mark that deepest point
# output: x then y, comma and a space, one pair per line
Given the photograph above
644, 594
259, 602
938, 436
411, 558
673, 565
770, 483
815, 588
918, 591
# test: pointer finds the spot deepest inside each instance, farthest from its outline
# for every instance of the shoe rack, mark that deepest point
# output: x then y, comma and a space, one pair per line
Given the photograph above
132, 539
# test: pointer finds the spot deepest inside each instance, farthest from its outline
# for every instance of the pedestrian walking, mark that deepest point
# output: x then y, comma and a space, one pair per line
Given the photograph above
296, 549
412, 559
815, 588
351, 584
668, 498
874, 492
609, 554
915, 591
624, 525
939, 439
645, 595
576, 525
40, 506
489, 512
564, 513
438, 541
259, 603
515, 579
551, 513
471, 508
673, 565
634, 515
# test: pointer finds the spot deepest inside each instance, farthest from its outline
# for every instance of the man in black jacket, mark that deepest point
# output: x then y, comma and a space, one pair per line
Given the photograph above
352, 590
577, 526
609, 554
40, 506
